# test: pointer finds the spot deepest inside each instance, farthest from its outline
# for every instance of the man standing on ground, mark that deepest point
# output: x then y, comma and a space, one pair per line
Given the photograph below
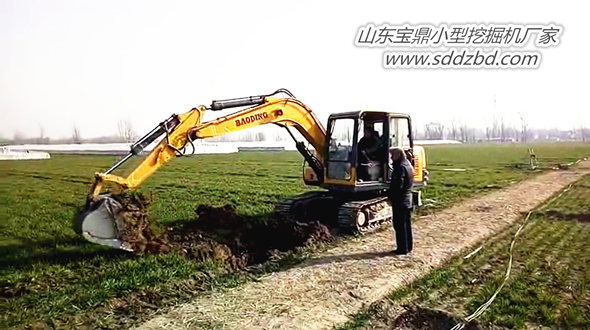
400, 195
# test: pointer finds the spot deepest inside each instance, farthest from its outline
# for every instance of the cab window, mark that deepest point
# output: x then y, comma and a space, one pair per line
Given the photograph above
341, 139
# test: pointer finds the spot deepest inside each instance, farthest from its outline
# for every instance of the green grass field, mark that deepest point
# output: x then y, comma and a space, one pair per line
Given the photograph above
51, 276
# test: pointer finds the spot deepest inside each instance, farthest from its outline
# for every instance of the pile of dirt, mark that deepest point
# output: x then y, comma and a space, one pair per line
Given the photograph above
216, 233
134, 224
557, 215
220, 233
418, 318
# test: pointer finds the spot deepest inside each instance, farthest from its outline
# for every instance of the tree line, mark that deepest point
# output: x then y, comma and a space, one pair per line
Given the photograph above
125, 134
497, 130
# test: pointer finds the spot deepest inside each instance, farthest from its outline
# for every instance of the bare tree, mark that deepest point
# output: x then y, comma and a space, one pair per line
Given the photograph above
76, 136
489, 130
454, 129
434, 131
524, 126
277, 136
464, 131
428, 133
126, 132
246, 136
582, 129
440, 131
502, 129
495, 127
42, 139
512, 132
495, 130
414, 129
260, 136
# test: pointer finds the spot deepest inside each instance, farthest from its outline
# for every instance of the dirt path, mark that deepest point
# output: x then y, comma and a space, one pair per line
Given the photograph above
323, 292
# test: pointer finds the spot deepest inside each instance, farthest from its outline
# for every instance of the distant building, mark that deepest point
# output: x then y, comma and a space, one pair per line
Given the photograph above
500, 140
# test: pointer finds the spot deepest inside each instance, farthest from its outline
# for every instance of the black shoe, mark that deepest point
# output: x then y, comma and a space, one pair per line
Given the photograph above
399, 253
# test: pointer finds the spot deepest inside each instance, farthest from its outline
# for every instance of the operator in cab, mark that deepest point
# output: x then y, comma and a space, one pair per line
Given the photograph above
400, 195
368, 146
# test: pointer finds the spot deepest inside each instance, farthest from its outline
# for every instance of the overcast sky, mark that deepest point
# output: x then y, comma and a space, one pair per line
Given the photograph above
95, 63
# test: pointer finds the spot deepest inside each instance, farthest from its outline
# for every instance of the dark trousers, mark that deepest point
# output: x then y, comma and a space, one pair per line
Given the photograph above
362, 171
402, 224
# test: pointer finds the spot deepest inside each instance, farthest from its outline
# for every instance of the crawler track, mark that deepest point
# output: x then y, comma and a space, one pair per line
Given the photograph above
365, 216
351, 216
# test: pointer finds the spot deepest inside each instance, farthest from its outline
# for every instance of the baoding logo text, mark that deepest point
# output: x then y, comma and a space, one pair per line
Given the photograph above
251, 119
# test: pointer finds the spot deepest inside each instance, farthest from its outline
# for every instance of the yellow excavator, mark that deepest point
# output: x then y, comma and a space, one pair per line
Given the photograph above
354, 184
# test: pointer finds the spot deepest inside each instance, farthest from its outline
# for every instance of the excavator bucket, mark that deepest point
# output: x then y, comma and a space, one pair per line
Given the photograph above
102, 223
104, 220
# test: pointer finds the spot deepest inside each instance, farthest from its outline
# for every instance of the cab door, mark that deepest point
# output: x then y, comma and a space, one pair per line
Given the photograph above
401, 136
341, 156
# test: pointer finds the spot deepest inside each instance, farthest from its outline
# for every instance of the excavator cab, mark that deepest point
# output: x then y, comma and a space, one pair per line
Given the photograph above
358, 157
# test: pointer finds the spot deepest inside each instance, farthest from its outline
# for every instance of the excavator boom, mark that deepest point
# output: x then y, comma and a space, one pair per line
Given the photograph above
180, 131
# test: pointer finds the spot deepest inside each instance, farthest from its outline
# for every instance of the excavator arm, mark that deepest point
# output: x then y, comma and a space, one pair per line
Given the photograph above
182, 130
102, 221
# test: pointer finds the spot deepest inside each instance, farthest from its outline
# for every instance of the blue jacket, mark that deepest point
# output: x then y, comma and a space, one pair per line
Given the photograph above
402, 181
